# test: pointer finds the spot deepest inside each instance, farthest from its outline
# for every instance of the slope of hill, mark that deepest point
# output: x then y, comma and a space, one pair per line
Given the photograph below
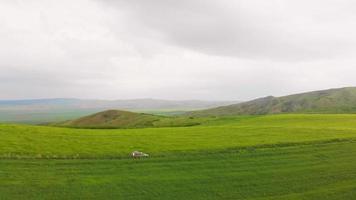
294, 156
341, 100
126, 119
55, 110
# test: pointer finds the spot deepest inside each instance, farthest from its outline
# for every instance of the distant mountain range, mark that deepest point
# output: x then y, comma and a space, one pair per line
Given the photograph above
51, 110
341, 100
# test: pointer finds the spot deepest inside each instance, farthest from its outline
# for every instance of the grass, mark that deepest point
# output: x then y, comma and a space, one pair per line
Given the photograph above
25, 141
323, 171
248, 157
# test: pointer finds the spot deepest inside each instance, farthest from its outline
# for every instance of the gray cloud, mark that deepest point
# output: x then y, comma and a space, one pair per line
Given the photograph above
278, 30
188, 49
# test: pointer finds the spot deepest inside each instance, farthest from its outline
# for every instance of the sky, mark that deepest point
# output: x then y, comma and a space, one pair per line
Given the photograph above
170, 49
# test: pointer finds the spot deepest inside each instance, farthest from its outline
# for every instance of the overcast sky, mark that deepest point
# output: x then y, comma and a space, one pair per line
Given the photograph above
175, 49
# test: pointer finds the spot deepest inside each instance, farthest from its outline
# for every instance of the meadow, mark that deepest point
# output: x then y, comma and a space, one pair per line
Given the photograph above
299, 156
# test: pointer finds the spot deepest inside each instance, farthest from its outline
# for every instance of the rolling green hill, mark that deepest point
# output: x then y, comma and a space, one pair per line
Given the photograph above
126, 119
342, 100
222, 133
294, 156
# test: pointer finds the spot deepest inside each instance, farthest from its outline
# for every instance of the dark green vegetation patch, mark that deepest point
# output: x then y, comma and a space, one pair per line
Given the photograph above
125, 119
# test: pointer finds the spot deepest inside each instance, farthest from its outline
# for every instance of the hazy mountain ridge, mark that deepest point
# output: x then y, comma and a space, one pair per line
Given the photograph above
59, 109
340, 100
122, 104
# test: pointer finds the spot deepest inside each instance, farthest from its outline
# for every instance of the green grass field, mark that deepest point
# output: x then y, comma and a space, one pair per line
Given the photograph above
252, 157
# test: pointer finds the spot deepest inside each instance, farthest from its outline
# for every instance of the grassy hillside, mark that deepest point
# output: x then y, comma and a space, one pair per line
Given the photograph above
25, 141
114, 119
341, 100
126, 119
295, 156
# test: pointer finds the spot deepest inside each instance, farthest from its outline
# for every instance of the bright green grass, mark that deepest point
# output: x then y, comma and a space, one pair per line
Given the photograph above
258, 157
315, 171
22, 141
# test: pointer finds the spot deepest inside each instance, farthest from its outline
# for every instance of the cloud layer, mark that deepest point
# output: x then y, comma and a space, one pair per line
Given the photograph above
188, 49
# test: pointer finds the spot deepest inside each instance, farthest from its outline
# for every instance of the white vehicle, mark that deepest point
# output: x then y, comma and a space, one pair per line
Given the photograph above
138, 154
